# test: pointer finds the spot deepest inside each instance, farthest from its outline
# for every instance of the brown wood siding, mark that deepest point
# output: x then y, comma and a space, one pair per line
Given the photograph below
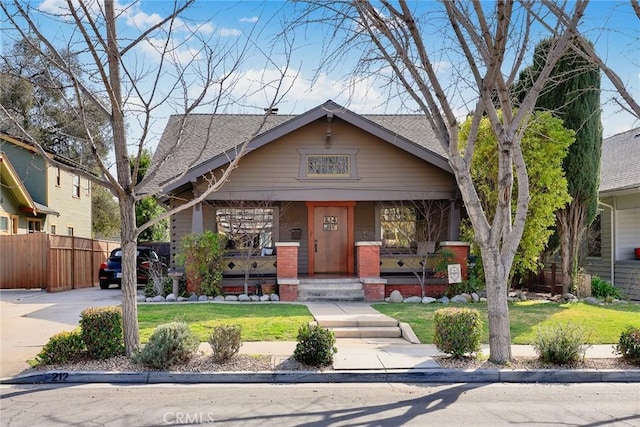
294, 216
180, 226
384, 171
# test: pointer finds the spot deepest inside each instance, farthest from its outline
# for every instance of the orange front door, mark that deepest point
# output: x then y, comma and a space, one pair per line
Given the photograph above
331, 239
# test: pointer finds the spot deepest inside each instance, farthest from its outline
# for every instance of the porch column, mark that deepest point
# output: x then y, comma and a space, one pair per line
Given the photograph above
454, 221
460, 252
369, 270
197, 222
287, 270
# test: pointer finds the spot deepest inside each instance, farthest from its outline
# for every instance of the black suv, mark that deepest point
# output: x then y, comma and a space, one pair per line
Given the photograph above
111, 271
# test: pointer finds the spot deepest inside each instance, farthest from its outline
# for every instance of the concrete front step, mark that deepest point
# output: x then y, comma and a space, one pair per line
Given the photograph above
348, 286
367, 332
355, 321
354, 296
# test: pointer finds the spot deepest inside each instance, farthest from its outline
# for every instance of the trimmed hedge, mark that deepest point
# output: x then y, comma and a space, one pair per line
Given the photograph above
101, 329
316, 346
457, 331
63, 347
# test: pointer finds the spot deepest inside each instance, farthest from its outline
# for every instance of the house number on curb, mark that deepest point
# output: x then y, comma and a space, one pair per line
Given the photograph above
59, 377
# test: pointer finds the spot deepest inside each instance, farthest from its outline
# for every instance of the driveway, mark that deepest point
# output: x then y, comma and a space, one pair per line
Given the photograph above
28, 318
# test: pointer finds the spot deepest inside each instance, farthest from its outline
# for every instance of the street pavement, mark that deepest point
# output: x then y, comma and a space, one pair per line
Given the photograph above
29, 318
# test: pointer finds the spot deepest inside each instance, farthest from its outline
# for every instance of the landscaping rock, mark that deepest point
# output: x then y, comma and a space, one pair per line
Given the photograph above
386, 299
444, 300
193, 297
568, 296
591, 301
459, 299
218, 298
171, 297
619, 301
182, 299
475, 297
412, 299
254, 298
428, 300
141, 298
158, 298
231, 298
265, 298
395, 296
483, 299
275, 297
243, 298
466, 296
203, 298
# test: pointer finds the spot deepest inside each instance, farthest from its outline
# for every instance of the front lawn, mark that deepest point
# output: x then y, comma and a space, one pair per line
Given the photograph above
260, 322
603, 323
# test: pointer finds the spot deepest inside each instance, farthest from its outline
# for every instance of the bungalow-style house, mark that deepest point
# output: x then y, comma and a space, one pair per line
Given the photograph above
613, 243
38, 197
328, 201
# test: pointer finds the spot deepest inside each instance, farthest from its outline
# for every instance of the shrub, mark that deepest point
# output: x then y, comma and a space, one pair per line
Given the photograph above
629, 344
101, 329
225, 342
202, 256
604, 289
457, 331
316, 346
170, 344
62, 348
560, 344
151, 290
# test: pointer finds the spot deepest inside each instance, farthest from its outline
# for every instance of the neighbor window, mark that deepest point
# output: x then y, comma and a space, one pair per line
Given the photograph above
34, 225
53, 229
4, 224
70, 231
76, 186
58, 177
246, 228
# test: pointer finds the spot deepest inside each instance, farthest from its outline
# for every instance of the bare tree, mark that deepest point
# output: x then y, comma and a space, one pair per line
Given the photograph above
191, 69
413, 228
469, 51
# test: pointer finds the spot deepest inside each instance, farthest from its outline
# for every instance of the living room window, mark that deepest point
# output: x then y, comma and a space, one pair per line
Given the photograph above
246, 228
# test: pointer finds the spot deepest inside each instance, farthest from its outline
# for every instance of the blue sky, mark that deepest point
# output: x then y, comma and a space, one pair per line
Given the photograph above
611, 25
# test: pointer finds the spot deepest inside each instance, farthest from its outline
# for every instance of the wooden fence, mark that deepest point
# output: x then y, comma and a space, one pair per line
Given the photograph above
56, 263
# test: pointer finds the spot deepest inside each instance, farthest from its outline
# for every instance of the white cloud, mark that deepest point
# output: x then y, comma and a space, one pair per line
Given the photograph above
228, 32
143, 20
251, 19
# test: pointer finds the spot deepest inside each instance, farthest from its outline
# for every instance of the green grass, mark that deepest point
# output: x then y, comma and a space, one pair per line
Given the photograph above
259, 322
604, 324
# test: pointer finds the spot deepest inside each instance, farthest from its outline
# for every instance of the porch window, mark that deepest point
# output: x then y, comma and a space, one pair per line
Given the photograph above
398, 225
405, 225
246, 228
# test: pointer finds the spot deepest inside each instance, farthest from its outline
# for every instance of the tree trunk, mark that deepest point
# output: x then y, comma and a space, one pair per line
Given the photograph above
129, 276
570, 229
496, 277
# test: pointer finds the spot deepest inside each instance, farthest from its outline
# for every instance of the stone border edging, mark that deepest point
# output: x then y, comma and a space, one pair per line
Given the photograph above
301, 377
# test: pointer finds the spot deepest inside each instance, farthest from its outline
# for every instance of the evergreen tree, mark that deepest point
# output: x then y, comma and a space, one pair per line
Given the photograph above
573, 94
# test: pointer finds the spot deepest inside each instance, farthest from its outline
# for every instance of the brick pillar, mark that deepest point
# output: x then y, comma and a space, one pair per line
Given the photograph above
368, 259
287, 270
460, 252
369, 271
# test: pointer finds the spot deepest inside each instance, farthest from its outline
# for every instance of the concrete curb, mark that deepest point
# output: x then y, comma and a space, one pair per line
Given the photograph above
300, 377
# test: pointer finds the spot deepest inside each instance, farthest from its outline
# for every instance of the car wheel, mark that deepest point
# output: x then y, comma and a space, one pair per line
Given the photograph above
104, 285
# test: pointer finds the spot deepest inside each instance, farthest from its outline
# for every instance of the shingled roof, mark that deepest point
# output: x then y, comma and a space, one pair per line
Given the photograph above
619, 162
209, 141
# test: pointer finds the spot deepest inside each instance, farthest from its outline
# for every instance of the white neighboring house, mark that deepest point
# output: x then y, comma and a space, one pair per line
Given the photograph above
615, 234
39, 197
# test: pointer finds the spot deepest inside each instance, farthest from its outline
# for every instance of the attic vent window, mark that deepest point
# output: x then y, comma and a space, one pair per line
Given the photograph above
328, 164
333, 165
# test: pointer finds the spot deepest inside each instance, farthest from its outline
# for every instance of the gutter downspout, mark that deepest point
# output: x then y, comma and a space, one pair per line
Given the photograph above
613, 241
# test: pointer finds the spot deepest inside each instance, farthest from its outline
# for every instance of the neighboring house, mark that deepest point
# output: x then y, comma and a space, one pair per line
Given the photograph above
39, 197
325, 186
615, 234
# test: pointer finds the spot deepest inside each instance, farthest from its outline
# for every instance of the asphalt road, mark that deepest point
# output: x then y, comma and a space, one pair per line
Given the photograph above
323, 405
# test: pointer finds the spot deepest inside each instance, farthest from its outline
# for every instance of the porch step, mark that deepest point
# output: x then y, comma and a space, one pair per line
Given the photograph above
361, 326
343, 289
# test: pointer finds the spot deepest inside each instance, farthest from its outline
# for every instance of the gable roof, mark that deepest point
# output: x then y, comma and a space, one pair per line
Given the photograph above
15, 185
210, 141
619, 167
